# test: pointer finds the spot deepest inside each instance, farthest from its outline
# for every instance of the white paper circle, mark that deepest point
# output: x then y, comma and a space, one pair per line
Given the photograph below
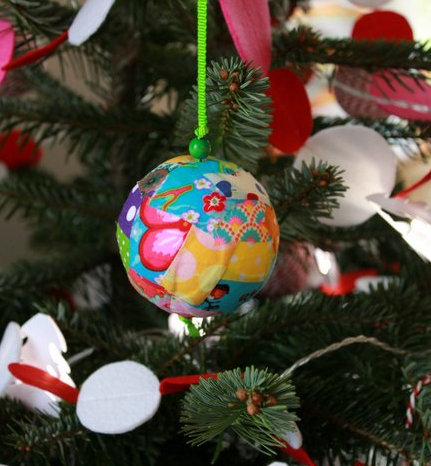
44, 346
278, 463
370, 3
369, 166
34, 398
402, 207
3, 174
10, 351
293, 438
88, 20
118, 397
43, 330
364, 284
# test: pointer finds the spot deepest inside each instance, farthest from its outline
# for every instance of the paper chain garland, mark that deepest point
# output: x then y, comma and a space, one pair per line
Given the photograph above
111, 377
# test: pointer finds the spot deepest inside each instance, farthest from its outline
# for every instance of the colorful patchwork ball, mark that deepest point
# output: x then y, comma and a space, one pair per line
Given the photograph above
198, 238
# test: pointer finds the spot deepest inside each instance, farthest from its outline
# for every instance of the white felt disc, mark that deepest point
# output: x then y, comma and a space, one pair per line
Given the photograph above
88, 20
10, 351
118, 397
369, 166
34, 398
293, 438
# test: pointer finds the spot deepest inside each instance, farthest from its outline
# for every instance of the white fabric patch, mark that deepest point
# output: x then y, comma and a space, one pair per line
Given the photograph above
88, 20
118, 397
242, 183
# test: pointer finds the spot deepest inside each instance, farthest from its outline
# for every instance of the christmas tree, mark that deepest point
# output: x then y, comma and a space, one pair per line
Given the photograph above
320, 366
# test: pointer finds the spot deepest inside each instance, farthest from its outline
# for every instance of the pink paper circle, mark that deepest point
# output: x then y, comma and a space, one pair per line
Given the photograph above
7, 46
352, 90
249, 24
406, 99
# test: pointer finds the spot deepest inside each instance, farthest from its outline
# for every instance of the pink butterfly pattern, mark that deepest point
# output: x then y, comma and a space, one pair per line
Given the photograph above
165, 235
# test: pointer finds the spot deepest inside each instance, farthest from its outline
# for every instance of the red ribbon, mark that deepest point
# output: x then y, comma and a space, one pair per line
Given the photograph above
41, 379
299, 455
182, 383
406, 192
34, 55
346, 283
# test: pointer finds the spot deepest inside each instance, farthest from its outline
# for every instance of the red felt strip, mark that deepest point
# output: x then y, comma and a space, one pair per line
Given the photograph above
41, 379
346, 283
417, 185
34, 55
299, 455
182, 383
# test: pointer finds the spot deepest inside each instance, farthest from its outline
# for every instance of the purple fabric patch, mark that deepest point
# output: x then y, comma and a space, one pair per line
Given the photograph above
129, 211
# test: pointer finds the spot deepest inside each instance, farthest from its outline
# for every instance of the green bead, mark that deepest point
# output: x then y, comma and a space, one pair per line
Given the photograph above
199, 148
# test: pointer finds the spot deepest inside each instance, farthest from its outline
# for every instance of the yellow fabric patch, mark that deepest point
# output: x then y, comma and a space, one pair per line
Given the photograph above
198, 267
251, 262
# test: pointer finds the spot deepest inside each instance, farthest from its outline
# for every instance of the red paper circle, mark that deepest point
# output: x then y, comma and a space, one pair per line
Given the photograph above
382, 25
292, 121
18, 150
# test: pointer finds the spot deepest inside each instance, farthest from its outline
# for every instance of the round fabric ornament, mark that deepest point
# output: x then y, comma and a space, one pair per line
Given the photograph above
198, 238
352, 90
18, 150
369, 166
292, 120
369, 3
382, 25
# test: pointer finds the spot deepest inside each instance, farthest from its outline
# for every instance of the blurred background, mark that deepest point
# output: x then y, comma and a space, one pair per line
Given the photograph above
334, 18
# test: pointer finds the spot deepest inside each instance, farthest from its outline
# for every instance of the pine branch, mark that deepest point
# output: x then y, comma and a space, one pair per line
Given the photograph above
25, 276
238, 113
215, 405
305, 46
89, 129
300, 197
40, 17
351, 384
40, 196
